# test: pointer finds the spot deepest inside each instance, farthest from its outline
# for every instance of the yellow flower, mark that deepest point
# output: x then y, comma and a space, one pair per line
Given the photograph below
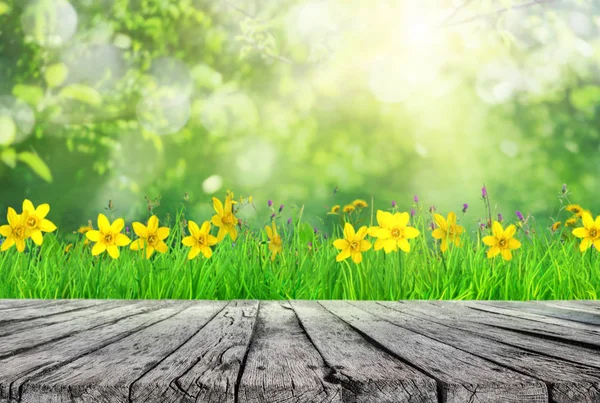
16, 230
68, 248
335, 209
393, 232
108, 237
224, 219
556, 226
229, 195
570, 222
348, 208
83, 230
502, 241
353, 244
448, 230
575, 209
37, 222
150, 237
359, 203
590, 232
200, 240
275, 245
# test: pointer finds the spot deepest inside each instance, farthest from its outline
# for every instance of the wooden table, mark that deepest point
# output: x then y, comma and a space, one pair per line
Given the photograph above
299, 351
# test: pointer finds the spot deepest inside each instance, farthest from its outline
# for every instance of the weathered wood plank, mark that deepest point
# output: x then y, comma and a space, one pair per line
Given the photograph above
550, 311
461, 376
19, 326
567, 381
365, 373
282, 364
527, 323
21, 303
573, 306
206, 368
15, 370
106, 374
37, 311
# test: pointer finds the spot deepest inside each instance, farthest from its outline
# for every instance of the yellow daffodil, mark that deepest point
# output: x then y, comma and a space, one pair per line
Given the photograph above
229, 195
556, 226
150, 237
359, 203
200, 240
575, 209
353, 244
68, 248
335, 209
37, 222
590, 232
448, 230
348, 208
502, 241
393, 232
108, 237
224, 219
275, 245
16, 231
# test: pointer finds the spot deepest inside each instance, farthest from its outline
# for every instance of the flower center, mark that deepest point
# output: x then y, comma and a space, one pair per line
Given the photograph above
19, 232
593, 233
227, 219
396, 232
151, 239
32, 222
355, 246
276, 240
201, 239
108, 238
502, 243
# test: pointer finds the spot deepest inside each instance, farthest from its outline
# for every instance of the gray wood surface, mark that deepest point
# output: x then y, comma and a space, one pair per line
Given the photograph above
109, 351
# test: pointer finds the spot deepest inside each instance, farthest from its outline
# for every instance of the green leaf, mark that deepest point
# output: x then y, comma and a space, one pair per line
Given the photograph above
305, 233
36, 164
4, 8
8, 130
584, 98
81, 93
32, 94
56, 74
9, 157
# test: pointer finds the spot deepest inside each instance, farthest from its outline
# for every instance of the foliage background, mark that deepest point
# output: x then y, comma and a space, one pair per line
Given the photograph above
287, 99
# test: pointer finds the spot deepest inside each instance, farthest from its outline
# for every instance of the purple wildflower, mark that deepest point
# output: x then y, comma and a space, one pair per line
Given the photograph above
289, 221
270, 203
127, 230
316, 230
393, 203
273, 215
483, 192
412, 212
281, 208
499, 217
465, 207
310, 244
519, 215
432, 226
416, 198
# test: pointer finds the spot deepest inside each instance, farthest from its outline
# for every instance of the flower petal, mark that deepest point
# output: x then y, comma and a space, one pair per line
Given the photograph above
216, 221
379, 244
103, 224
404, 245
113, 251
5, 231
137, 244
205, 229
490, 240
193, 227
232, 232
588, 221
193, 252
152, 224
42, 211
514, 243
401, 219
28, 206
444, 245
585, 244
497, 229
12, 216
93, 235
494, 250
47, 225
349, 231
189, 241
361, 233
343, 255
149, 251
384, 218
161, 247
117, 225
580, 232
98, 248
510, 231
390, 245
211, 240
269, 232
122, 240
440, 221
357, 257
506, 254
140, 229
218, 206
20, 245
411, 232
438, 233
365, 245
7, 244
341, 243
163, 233
451, 218
37, 237
206, 251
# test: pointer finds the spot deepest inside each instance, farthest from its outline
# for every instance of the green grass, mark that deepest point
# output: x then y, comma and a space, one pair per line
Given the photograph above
543, 268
